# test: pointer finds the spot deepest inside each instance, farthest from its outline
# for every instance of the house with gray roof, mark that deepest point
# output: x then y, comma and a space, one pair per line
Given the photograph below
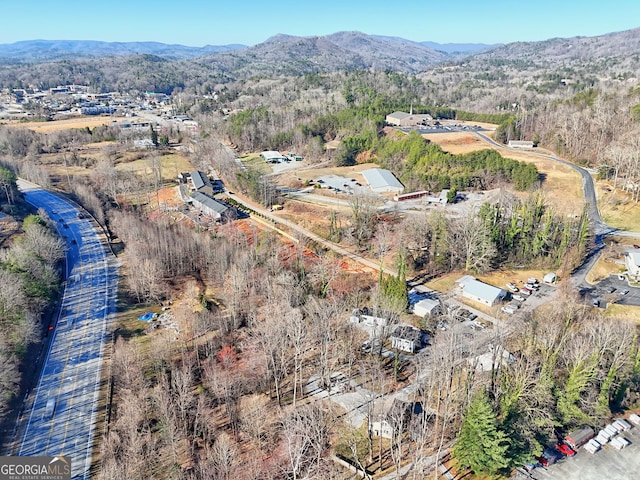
199, 182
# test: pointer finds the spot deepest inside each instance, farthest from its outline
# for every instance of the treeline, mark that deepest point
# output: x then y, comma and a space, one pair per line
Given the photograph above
425, 166
511, 232
30, 281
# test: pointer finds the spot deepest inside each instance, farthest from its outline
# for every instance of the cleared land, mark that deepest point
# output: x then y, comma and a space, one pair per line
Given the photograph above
562, 186
57, 125
617, 207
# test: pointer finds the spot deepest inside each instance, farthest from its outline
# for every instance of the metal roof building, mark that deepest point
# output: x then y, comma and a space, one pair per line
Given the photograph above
381, 180
210, 206
480, 292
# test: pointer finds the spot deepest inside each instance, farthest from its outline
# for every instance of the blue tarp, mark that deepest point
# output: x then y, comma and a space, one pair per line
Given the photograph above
147, 317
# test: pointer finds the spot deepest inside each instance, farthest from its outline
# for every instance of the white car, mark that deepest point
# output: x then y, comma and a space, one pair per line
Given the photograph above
519, 298
512, 287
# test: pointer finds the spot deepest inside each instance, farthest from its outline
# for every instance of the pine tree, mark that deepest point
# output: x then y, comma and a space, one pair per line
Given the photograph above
481, 445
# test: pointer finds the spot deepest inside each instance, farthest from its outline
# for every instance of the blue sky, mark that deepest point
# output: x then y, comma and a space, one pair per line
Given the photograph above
202, 22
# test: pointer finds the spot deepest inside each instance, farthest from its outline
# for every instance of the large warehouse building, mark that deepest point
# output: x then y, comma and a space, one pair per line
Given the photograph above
382, 181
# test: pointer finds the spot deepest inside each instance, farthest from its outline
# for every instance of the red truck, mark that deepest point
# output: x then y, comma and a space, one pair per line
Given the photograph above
577, 438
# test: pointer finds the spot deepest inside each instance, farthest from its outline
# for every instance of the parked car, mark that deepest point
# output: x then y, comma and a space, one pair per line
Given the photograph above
624, 292
525, 291
621, 277
596, 302
512, 287
549, 456
519, 298
566, 450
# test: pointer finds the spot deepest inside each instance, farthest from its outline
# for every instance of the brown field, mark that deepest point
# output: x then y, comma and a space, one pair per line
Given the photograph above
172, 165
457, 143
57, 125
617, 208
625, 312
562, 186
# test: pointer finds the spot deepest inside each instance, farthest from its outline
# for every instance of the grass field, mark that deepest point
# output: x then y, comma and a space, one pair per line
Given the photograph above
57, 125
172, 165
617, 208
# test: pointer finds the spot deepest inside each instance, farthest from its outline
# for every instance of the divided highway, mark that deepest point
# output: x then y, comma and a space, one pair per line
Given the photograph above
60, 414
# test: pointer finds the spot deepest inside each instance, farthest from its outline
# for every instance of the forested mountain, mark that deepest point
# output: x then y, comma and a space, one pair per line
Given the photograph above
160, 67
31, 51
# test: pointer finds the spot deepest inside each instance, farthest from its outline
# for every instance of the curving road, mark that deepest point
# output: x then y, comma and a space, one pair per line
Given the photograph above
601, 229
60, 414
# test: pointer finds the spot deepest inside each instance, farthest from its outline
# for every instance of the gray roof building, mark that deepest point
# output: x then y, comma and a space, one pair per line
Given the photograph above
381, 180
210, 206
480, 292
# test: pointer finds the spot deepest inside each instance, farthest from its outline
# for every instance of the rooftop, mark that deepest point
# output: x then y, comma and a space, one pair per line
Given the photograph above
380, 178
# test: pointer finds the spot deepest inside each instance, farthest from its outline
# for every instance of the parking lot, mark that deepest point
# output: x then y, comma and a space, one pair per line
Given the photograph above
606, 464
610, 290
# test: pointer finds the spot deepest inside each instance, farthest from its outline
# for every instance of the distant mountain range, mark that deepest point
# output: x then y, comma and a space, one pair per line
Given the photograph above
37, 51
51, 50
160, 67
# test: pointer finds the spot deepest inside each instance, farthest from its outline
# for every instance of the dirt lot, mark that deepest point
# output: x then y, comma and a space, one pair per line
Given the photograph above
57, 125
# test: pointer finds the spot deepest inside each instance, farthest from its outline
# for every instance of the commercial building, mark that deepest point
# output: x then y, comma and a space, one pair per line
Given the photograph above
404, 119
382, 181
479, 291
211, 207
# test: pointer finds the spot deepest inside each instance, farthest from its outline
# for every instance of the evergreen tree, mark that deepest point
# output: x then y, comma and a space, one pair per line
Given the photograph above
154, 135
481, 445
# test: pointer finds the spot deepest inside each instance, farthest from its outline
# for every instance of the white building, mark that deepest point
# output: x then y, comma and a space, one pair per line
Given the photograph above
427, 306
524, 144
404, 119
367, 317
381, 181
632, 261
479, 291
406, 338
272, 156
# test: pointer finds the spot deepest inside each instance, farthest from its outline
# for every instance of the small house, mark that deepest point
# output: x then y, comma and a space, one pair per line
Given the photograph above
370, 318
407, 338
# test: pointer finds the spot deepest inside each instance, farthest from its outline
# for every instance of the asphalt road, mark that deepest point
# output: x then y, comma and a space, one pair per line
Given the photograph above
70, 377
